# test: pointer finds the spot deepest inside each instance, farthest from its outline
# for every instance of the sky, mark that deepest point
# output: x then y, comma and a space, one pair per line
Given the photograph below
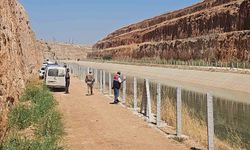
87, 21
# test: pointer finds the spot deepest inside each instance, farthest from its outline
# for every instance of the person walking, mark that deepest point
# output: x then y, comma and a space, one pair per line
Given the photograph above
67, 81
116, 86
90, 80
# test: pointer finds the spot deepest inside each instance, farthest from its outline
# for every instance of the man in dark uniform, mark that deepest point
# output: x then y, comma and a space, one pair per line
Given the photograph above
90, 80
67, 81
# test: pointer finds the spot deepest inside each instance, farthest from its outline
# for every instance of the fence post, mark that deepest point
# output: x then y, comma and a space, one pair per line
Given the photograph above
210, 122
178, 113
81, 73
110, 84
96, 75
78, 71
100, 80
75, 70
87, 70
84, 72
148, 112
158, 115
135, 94
104, 81
144, 99
124, 92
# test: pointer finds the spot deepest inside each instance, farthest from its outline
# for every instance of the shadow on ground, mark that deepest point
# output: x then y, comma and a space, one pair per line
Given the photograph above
57, 90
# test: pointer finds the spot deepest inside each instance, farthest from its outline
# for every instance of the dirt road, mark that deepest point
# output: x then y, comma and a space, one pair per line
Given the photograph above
91, 123
227, 85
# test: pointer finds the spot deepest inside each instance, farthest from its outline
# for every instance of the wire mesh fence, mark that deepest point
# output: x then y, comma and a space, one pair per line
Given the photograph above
202, 116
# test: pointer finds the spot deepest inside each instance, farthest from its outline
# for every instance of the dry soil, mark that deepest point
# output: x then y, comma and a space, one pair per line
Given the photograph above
92, 123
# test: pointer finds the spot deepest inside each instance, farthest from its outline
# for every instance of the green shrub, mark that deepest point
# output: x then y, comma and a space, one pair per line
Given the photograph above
43, 105
107, 57
30, 93
50, 125
20, 117
39, 113
17, 143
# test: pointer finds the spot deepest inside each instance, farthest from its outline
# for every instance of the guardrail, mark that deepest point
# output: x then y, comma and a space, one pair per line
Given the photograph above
146, 107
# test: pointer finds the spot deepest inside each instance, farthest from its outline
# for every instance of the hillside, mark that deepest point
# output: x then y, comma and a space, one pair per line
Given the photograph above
210, 30
19, 58
62, 51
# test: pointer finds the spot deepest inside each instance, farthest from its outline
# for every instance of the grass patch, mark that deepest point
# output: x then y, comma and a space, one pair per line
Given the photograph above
20, 117
17, 143
37, 108
50, 125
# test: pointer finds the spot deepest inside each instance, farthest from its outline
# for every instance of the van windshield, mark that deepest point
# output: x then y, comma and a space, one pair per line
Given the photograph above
56, 72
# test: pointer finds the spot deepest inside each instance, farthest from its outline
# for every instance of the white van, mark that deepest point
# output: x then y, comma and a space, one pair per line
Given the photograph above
55, 77
42, 72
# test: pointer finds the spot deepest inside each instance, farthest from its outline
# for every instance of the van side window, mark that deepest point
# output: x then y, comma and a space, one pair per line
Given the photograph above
53, 72
61, 73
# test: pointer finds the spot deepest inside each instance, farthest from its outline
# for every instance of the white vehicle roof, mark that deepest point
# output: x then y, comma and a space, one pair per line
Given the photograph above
50, 62
43, 66
55, 67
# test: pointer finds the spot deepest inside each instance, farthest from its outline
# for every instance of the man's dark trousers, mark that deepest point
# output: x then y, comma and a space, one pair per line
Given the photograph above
67, 86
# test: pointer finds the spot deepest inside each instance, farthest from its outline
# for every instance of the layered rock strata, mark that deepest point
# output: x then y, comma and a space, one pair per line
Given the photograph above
212, 29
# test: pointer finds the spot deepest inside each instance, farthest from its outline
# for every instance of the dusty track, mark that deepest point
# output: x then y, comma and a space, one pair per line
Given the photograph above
92, 123
227, 85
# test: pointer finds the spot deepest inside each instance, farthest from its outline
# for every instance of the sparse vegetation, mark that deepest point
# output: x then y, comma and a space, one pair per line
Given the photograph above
107, 57
194, 124
173, 62
35, 113
20, 117
197, 128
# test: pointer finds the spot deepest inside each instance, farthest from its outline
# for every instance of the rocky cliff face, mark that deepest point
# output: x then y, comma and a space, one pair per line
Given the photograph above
62, 51
19, 57
213, 29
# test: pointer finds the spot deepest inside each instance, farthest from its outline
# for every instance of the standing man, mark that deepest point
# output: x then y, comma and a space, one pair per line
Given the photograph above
116, 86
67, 81
90, 80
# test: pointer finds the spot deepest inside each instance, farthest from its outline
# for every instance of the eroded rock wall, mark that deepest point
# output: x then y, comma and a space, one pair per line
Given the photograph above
213, 28
63, 51
19, 58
